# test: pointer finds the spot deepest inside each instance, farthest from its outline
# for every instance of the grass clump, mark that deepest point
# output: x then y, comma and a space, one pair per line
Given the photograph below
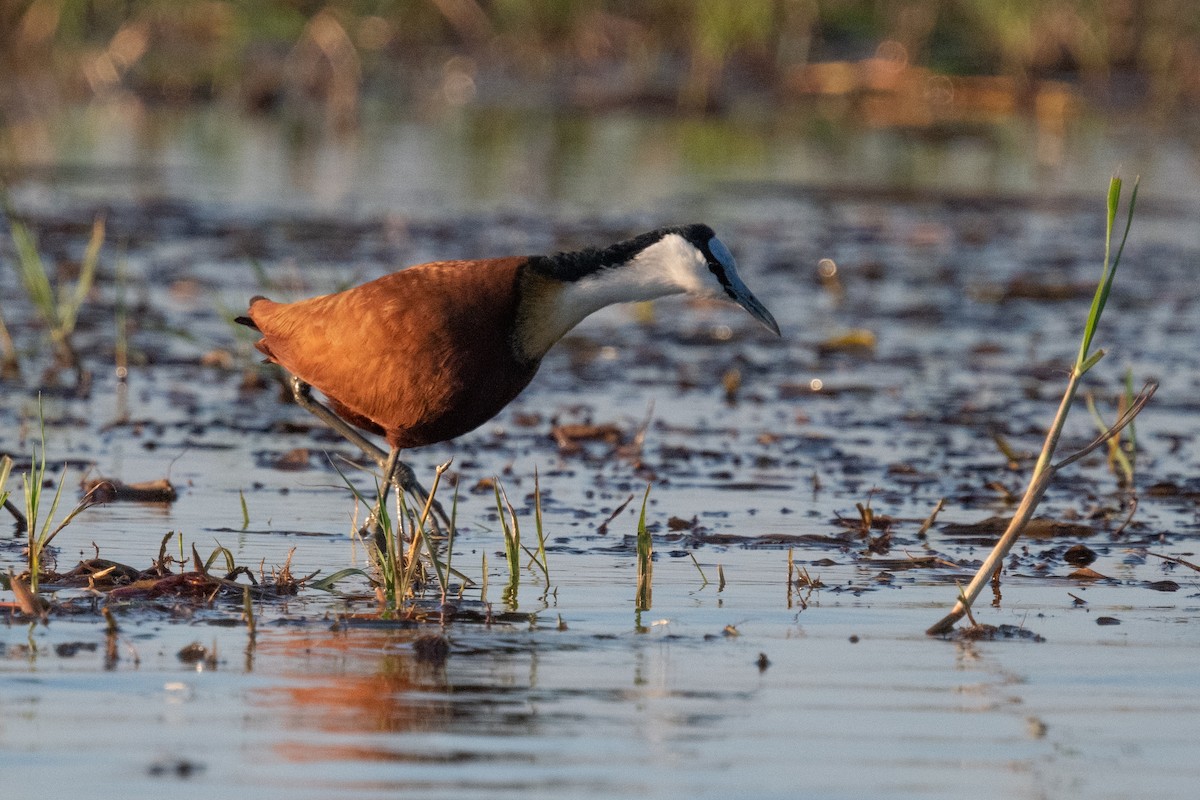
58, 306
395, 547
1045, 469
511, 527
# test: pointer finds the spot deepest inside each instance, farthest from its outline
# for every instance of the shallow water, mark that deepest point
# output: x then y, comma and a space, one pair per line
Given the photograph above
573, 692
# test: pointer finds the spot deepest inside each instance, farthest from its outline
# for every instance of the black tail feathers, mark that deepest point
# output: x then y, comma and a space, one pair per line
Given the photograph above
249, 323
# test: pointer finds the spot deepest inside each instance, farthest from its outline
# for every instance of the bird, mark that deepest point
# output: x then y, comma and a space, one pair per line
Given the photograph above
430, 352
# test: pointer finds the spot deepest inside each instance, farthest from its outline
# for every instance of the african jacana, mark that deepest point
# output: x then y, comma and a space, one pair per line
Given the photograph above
433, 351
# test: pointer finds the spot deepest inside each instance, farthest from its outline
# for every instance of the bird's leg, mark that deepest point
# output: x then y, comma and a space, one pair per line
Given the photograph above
302, 393
395, 471
374, 523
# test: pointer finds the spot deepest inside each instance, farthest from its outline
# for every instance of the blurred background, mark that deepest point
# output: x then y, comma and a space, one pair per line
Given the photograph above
595, 104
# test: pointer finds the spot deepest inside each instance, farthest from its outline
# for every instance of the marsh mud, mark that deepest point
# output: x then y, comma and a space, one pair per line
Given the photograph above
928, 328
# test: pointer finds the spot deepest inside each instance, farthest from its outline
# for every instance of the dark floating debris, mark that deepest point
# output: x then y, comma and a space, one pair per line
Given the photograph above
111, 490
1038, 528
570, 437
174, 768
1079, 555
991, 633
193, 653
293, 460
1025, 287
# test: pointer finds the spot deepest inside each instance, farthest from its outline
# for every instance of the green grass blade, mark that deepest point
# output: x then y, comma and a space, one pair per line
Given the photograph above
33, 272
1129, 397
6, 464
328, 583
512, 547
1085, 360
645, 563
541, 534
245, 510
450, 539
69, 308
220, 550
1118, 458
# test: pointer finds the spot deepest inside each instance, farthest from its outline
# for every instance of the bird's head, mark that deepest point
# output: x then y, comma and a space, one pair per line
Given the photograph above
701, 264
685, 259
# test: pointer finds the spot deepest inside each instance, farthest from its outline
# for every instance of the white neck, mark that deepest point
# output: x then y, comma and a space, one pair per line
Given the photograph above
669, 266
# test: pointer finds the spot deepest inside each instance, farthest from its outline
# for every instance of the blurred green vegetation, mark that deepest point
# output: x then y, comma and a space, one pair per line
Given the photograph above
677, 54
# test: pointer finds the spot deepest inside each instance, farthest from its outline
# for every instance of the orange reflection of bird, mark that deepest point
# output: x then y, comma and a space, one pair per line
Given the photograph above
433, 351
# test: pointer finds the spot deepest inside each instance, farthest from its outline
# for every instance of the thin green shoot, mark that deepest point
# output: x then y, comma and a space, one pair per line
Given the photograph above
450, 541
1130, 399
1045, 469
1118, 459
248, 612
1086, 359
245, 510
416, 540
441, 571
645, 560
512, 546
384, 553
704, 577
10, 364
483, 583
429, 532
42, 530
6, 464
541, 534
720, 578
388, 551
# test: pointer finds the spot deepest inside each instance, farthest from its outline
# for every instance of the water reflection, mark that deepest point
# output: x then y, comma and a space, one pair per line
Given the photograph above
362, 681
365, 695
478, 157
